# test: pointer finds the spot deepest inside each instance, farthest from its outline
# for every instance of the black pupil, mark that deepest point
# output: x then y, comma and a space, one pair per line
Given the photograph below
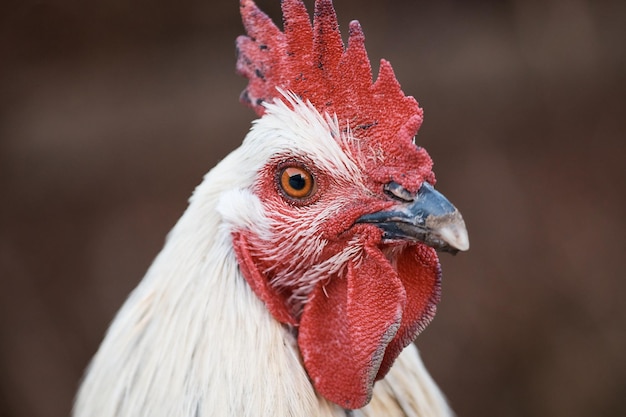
297, 181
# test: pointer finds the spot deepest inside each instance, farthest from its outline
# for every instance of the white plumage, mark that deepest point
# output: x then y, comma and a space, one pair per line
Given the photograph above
193, 340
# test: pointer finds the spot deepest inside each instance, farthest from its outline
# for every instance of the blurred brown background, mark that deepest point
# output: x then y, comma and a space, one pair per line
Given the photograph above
111, 112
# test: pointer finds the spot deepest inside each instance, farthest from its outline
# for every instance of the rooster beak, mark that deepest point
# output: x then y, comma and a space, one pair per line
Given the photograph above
426, 217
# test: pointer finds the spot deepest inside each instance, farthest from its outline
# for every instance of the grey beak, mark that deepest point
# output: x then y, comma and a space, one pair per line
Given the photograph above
426, 217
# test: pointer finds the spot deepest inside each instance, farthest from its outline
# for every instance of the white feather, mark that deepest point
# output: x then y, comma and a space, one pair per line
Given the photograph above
193, 340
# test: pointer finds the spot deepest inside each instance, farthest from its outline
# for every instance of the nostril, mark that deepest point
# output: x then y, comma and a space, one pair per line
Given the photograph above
398, 192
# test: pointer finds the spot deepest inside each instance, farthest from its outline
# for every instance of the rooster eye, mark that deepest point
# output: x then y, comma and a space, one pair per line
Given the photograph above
296, 182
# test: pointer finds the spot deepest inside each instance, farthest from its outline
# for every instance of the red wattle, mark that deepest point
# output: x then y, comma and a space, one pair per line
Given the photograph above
355, 325
418, 269
346, 326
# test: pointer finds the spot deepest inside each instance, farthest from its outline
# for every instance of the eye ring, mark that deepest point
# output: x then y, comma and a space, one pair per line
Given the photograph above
296, 182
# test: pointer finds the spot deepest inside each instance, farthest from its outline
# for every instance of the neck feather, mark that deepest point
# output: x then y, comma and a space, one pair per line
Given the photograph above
193, 339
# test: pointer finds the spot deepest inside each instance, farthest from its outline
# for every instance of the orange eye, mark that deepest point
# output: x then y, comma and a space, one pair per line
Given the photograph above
296, 182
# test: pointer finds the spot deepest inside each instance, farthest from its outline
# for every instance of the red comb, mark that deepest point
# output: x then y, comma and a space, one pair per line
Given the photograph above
311, 61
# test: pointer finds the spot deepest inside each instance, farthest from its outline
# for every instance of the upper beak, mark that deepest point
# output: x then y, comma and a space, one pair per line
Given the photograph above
427, 217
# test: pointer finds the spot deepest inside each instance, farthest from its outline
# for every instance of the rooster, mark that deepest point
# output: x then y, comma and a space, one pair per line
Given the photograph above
306, 263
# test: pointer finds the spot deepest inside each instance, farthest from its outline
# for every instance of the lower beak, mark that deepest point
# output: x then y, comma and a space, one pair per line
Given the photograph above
429, 218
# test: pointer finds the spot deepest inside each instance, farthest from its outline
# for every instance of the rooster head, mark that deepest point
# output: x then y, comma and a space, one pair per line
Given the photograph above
339, 229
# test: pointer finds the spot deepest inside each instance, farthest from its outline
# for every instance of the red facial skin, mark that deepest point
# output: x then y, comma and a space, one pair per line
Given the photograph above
357, 318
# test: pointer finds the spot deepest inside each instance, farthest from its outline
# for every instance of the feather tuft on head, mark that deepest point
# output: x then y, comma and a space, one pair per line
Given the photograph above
311, 61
